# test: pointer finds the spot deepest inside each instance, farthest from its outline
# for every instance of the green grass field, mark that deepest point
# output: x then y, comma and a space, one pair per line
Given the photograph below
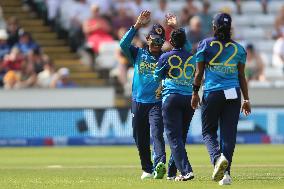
255, 166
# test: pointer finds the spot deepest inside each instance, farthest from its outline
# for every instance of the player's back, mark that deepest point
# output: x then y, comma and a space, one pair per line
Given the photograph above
221, 60
179, 70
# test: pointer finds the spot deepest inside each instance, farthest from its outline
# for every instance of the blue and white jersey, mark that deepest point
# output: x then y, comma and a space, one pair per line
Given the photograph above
145, 88
221, 63
176, 68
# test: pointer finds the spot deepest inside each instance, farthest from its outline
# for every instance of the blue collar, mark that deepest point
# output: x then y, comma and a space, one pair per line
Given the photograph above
175, 49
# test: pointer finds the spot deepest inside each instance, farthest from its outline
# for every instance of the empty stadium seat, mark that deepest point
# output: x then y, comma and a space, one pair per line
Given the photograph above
106, 58
251, 7
242, 20
109, 47
274, 6
251, 33
105, 61
217, 6
258, 20
279, 83
263, 20
264, 45
272, 73
260, 84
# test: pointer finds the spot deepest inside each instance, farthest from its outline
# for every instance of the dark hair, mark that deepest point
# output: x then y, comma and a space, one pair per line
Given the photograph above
178, 38
222, 33
250, 47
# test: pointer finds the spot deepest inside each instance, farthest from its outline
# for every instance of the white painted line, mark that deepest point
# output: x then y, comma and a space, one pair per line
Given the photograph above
54, 166
137, 166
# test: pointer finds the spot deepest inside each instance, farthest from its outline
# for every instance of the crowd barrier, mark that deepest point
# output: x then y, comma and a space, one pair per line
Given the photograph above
112, 126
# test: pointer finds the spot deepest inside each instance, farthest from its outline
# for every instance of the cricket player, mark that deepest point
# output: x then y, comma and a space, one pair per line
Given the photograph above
146, 96
176, 68
223, 61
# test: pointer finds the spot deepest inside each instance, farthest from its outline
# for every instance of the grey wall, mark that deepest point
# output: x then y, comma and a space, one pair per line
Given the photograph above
57, 98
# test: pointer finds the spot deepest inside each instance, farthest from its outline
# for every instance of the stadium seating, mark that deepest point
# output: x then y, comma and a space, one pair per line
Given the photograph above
106, 58
56, 48
252, 7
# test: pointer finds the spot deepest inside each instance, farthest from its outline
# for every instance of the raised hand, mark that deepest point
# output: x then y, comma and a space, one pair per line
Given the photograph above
143, 19
171, 20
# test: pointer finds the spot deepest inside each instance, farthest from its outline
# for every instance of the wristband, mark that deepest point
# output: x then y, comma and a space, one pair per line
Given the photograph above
195, 88
245, 101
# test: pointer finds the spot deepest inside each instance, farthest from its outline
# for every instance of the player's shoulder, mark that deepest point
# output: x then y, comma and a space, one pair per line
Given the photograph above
167, 54
207, 40
241, 48
186, 53
204, 43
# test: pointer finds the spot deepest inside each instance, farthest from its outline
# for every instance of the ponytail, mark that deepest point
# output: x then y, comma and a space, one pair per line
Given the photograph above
223, 33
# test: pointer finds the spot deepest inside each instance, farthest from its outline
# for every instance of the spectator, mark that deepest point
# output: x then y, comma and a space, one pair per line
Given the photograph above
52, 10
80, 13
239, 6
138, 6
14, 30
206, 19
122, 20
30, 5
28, 76
14, 60
278, 53
194, 33
2, 20
264, 4
125, 4
96, 30
64, 20
159, 15
36, 58
26, 43
4, 47
279, 23
10, 79
45, 78
188, 12
4, 50
254, 65
62, 79
105, 6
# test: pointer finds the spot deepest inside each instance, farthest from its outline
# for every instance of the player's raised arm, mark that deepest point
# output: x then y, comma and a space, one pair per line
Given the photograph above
171, 21
125, 43
143, 19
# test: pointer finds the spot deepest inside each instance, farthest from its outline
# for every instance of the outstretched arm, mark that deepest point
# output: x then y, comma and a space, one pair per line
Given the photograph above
125, 43
171, 21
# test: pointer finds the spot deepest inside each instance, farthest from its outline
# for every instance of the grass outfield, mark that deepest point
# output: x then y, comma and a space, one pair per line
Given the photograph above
255, 166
